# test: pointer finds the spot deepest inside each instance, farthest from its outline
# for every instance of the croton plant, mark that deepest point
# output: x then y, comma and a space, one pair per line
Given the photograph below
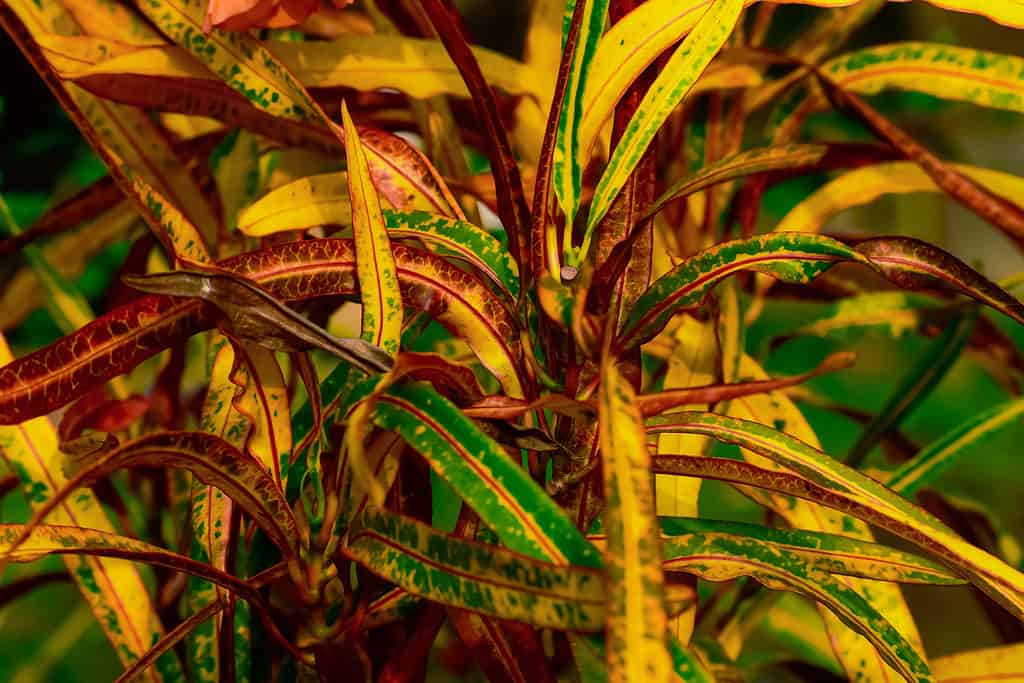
421, 353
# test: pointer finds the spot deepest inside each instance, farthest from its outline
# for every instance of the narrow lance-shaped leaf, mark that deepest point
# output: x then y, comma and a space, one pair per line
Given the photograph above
792, 257
911, 263
209, 458
211, 511
939, 456
50, 539
470, 575
637, 620
375, 265
567, 163
751, 162
668, 90
507, 500
254, 314
245, 64
324, 200
864, 185
115, 343
839, 486
113, 590
950, 72
646, 32
915, 386
722, 558
856, 656
826, 552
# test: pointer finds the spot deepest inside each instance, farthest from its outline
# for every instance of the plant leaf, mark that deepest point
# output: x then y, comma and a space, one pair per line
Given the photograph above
722, 558
910, 263
950, 72
932, 461
824, 552
245, 64
637, 620
750, 162
52, 539
255, 315
864, 185
567, 162
323, 200
481, 473
838, 486
670, 87
114, 590
208, 457
474, 576
129, 334
792, 257
375, 264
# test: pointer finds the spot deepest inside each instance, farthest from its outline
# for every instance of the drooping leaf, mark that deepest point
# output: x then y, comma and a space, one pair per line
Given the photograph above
864, 185
792, 257
910, 263
830, 553
49, 539
208, 457
670, 87
299, 271
637, 620
721, 558
113, 590
746, 163
124, 137
255, 315
947, 71
838, 486
856, 657
474, 576
323, 200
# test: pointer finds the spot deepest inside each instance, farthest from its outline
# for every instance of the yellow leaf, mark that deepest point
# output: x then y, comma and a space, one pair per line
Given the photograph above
637, 647
113, 588
375, 264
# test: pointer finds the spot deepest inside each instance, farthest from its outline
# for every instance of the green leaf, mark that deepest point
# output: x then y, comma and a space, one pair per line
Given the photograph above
671, 86
915, 386
519, 511
939, 456
637, 620
824, 552
476, 576
568, 162
841, 487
